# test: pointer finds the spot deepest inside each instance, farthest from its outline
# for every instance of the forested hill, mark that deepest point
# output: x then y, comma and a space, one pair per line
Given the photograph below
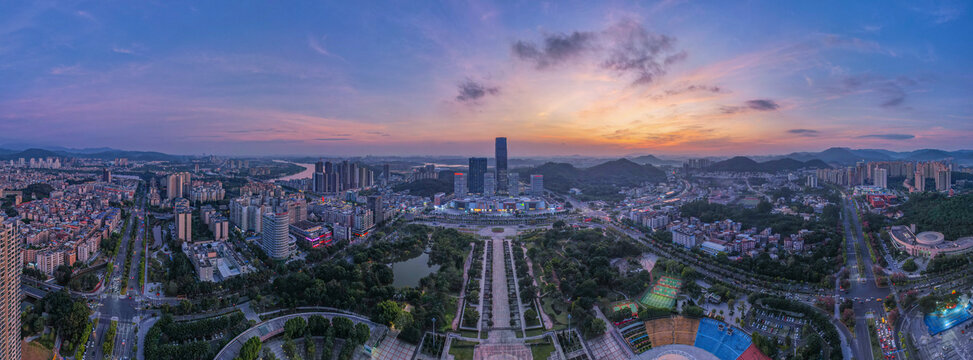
952, 216
745, 164
599, 181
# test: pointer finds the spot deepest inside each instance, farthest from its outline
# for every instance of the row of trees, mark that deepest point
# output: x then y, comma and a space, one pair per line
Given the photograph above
200, 339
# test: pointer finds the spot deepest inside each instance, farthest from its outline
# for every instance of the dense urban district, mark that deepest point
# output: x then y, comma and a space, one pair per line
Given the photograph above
843, 254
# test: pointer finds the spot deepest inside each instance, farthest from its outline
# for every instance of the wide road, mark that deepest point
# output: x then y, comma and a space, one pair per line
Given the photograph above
863, 289
112, 304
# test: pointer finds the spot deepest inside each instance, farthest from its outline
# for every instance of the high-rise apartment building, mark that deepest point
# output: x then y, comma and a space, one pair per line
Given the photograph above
919, 182
944, 179
274, 239
183, 214
880, 178
11, 260
501, 155
478, 168
377, 207
812, 181
179, 185
106, 175
459, 184
537, 185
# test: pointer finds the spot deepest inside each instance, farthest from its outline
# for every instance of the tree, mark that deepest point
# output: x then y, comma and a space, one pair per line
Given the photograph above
910, 265
362, 333
290, 349
928, 303
250, 349
269, 355
387, 312
342, 327
294, 327
62, 274
309, 349
317, 325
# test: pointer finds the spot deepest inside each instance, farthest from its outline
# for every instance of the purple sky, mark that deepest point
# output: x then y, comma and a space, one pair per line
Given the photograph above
556, 78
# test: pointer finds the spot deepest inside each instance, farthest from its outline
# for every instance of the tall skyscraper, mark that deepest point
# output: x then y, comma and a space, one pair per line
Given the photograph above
489, 184
274, 239
459, 184
317, 178
537, 185
377, 207
11, 260
501, 155
386, 174
880, 178
478, 167
106, 175
513, 184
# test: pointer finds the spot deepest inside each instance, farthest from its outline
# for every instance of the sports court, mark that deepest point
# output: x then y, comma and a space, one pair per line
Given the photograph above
619, 306
663, 294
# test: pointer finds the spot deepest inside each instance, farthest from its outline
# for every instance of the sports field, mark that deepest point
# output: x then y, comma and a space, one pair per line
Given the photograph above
625, 304
663, 294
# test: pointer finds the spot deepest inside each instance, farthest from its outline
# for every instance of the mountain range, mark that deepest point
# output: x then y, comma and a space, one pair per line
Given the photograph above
601, 180
91, 153
745, 164
848, 156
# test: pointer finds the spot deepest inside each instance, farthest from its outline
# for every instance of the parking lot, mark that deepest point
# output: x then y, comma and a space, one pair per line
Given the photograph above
778, 325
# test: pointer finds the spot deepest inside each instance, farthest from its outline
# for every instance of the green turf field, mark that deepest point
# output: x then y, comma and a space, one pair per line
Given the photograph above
663, 294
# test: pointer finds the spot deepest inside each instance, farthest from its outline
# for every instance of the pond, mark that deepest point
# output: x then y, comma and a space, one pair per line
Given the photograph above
407, 273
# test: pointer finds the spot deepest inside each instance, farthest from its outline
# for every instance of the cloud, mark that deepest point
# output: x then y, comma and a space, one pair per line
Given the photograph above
319, 48
376, 132
635, 51
888, 136
625, 48
804, 132
751, 105
66, 70
891, 91
557, 48
471, 91
86, 15
333, 139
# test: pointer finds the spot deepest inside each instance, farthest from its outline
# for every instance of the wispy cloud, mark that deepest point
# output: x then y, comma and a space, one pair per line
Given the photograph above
318, 47
333, 139
888, 136
751, 105
804, 132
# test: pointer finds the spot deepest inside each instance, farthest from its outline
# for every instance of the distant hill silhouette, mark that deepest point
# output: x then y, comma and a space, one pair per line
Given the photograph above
745, 164
599, 181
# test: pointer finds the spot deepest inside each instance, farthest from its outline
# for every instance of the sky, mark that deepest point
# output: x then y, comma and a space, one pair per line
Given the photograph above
593, 78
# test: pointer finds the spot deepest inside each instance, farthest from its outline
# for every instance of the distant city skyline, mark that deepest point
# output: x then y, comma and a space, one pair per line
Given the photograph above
420, 78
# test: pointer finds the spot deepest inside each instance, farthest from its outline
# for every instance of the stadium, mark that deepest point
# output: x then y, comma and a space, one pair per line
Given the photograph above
682, 338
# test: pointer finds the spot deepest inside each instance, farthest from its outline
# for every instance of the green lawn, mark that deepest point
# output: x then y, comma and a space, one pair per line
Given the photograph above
541, 351
461, 350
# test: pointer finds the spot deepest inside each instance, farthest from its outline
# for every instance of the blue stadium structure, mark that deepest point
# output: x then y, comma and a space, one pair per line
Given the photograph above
720, 339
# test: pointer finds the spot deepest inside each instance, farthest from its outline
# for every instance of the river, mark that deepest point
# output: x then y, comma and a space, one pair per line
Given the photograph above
306, 174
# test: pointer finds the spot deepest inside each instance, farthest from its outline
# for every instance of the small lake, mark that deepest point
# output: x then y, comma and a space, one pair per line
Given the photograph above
408, 273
